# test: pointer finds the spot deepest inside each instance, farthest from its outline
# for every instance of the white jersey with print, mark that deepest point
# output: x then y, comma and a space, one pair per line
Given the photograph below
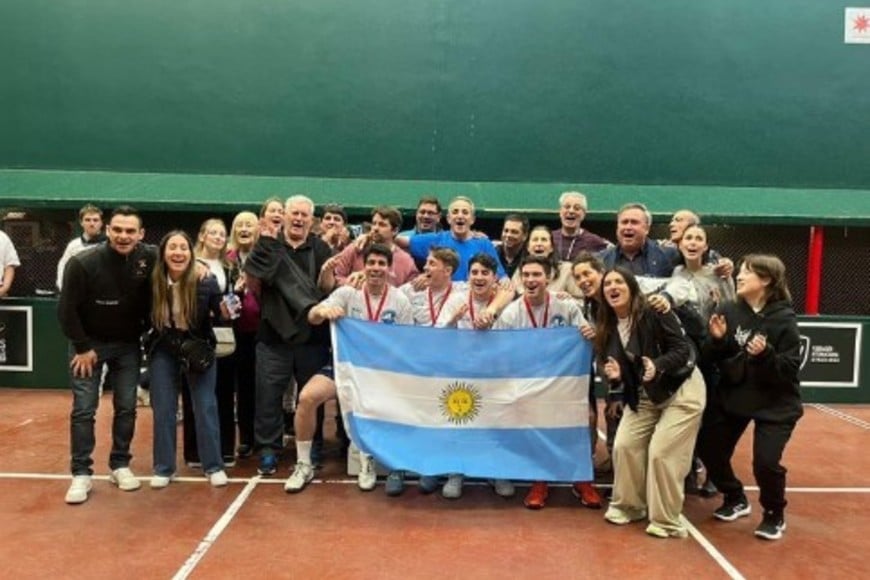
421, 306
396, 308
456, 301
558, 313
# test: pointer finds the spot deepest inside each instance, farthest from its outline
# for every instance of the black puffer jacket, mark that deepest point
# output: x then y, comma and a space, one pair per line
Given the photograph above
766, 386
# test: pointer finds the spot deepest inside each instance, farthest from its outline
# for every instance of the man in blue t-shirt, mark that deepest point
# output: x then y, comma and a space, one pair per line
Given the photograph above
460, 238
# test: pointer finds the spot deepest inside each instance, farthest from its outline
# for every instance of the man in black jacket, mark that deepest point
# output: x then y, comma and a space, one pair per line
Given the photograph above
283, 270
103, 309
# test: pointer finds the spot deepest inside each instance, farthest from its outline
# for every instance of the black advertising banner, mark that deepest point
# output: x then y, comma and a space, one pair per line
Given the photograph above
830, 354
16, 338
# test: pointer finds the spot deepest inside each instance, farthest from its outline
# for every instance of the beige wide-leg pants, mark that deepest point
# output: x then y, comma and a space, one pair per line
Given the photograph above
652, 453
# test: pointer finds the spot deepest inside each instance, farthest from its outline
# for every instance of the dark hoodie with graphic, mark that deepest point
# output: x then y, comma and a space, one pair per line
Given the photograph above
766, 386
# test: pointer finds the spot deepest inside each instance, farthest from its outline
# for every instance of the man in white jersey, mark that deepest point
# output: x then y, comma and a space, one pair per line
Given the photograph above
377, 302
428, 302
539, 308
476, 309
426, 305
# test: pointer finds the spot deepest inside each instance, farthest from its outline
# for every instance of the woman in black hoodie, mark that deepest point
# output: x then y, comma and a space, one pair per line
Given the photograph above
755, 342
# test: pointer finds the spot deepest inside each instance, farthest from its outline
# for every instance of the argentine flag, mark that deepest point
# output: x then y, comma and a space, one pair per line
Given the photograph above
503, 404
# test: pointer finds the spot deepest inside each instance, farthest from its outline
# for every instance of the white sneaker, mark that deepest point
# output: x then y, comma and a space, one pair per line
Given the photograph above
78, 489
143, 397
302, 475
161, 481
218, 478
503, 487
124, 479
452, 488
367, 478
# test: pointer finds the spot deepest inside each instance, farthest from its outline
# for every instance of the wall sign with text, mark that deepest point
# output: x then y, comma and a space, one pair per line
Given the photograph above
16, 338
830, 354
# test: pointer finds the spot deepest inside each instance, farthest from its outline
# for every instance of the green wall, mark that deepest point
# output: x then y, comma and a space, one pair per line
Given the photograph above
719, 92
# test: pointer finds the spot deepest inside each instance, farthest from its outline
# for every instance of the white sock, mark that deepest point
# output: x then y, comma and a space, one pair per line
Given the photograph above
303, 451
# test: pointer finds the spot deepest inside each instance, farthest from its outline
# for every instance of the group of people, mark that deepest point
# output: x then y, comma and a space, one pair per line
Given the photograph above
681, 349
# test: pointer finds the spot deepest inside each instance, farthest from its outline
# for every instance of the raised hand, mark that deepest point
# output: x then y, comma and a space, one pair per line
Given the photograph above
717, 326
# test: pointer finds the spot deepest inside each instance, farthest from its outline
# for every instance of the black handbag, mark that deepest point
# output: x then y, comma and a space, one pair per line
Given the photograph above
196, 354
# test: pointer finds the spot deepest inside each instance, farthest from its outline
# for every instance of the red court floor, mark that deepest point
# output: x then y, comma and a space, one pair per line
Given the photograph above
332, 530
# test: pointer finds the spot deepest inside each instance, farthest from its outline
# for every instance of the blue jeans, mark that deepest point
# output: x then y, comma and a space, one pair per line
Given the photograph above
165, 382
122, 360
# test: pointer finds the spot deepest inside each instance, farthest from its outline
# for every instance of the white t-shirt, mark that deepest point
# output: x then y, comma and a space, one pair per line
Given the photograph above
424, 307
394, 309
216, 268
8, 255
552, 313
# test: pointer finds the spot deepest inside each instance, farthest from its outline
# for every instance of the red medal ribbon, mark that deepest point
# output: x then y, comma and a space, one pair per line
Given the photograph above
546, 319
376, 316
432, 312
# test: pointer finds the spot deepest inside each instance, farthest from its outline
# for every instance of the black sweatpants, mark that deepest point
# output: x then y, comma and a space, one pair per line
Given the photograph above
719, 435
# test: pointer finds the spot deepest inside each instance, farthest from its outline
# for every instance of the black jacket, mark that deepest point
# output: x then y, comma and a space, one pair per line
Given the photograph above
289, 288
765, 386
106, 296
660, 338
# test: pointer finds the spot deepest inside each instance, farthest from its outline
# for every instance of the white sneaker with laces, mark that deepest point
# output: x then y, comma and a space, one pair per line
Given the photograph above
367, 478
302, 475
78, 489
124, 479
161, 481
218, 478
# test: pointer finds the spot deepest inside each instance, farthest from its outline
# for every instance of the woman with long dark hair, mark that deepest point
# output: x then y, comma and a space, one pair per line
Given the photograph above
756, 344
181, 319
648, 363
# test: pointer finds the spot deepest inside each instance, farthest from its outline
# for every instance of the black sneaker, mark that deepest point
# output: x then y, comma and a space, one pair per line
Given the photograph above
733, 509
771, 527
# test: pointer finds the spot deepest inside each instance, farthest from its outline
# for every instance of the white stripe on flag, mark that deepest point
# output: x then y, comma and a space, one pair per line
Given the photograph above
479, 403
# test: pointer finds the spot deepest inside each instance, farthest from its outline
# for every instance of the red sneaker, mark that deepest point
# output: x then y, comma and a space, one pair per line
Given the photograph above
537, 496
587, 494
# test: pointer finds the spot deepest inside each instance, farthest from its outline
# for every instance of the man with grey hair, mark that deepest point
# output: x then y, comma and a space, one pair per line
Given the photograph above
283, 271
634, 250
679, 222
571, 239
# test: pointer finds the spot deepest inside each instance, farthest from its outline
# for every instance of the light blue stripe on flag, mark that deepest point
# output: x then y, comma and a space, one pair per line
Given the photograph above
518, 454
434, 401
448, 352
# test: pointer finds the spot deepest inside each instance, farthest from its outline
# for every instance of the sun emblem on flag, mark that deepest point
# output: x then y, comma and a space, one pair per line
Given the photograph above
460, 402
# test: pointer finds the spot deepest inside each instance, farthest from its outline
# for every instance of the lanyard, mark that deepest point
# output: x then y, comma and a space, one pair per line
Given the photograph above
436, 313
545, 320
567, 258
376, 316
471, 305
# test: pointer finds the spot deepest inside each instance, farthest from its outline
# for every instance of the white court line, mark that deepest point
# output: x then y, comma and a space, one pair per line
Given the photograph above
841, 415
216, 531
711, 549
352, 481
